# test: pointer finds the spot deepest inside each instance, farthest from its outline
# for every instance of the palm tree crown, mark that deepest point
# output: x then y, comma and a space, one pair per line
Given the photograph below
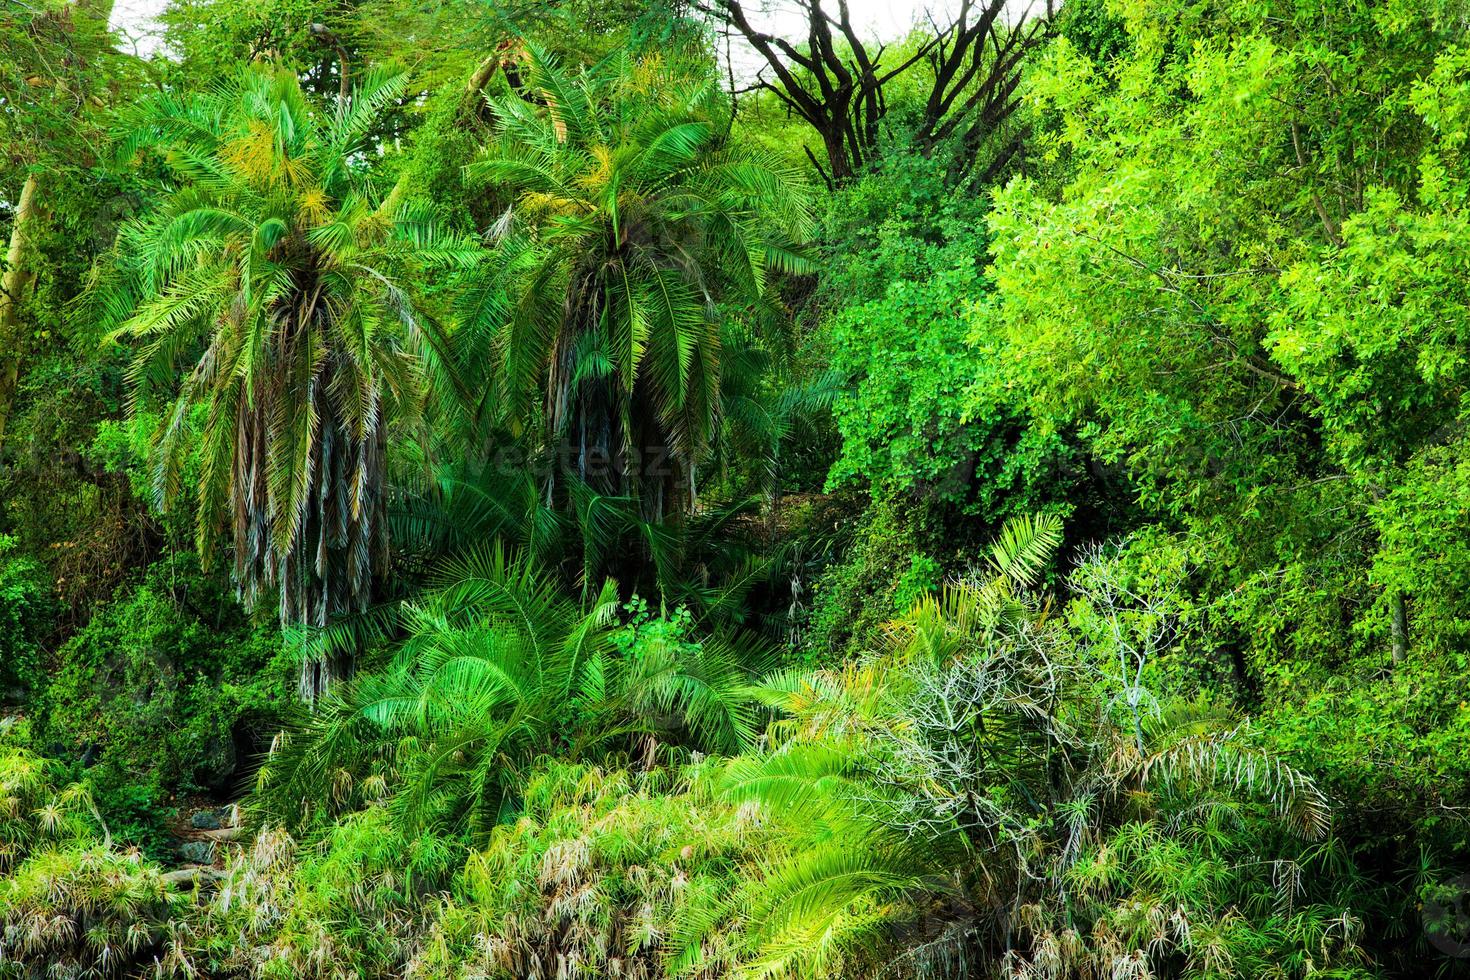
276, 275
634, 223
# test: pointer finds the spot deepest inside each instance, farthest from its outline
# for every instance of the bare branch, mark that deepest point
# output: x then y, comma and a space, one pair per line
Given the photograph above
836, 82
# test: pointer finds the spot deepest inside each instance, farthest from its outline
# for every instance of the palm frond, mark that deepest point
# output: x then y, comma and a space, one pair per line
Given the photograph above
1024, 546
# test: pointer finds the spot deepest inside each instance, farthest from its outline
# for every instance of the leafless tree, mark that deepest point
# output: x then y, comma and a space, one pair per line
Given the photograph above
837, 82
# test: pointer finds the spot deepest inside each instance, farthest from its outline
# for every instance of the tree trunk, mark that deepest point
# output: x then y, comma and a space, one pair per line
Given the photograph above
319, 675
483, 73
19, 275
329, 571
1400, 629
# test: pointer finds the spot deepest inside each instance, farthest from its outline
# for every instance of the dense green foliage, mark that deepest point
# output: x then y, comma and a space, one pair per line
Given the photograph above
480, 504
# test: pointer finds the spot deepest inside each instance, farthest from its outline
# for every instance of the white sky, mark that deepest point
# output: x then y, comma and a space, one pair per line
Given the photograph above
882, 19
135, 18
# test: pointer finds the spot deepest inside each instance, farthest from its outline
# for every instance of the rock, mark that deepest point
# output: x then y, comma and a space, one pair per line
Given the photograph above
197, 852
205, 820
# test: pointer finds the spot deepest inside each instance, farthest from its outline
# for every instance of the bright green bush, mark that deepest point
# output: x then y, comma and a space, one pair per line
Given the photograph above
72, 905
38, 810
1394, 749
927, 408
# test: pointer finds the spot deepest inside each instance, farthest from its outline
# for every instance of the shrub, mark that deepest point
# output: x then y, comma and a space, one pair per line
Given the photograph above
606, 872
498, 668
356, 903
71, 905
27, 617
86, 911
160, 690
37, 809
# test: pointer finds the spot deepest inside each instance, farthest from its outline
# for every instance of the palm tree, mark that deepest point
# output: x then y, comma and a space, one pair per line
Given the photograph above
500, 668
276, 278
635, 225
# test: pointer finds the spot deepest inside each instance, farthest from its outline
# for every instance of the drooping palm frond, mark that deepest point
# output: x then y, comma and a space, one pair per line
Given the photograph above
709, 686
834, 902
837, 896
800, 782
1221, 758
